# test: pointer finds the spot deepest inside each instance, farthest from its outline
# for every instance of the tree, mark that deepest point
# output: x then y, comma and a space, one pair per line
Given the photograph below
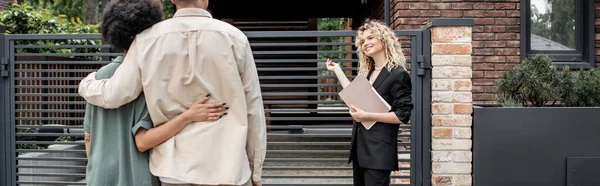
70, 9
104, 3
558, 24
563, 22
73, 9
90, 11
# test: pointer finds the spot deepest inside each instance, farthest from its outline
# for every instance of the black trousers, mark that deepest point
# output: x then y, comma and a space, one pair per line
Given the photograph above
369, 177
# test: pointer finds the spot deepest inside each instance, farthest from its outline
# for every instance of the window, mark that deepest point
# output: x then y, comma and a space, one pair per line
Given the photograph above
561, 29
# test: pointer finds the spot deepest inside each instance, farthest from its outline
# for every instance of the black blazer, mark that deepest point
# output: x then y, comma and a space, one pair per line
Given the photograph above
377, 148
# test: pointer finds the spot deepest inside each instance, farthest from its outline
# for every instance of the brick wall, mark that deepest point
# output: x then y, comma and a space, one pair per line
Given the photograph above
452, 106
4, 4
496, 34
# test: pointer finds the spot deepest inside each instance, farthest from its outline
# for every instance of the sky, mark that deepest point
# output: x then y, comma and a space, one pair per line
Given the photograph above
540, 5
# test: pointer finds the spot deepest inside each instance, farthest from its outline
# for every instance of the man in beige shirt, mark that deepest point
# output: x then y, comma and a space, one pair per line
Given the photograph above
177, 62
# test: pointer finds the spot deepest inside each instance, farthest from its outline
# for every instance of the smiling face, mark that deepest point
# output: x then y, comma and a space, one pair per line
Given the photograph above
371, 44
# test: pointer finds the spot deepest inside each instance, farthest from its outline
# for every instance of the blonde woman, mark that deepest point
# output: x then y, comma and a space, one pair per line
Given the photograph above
373, 152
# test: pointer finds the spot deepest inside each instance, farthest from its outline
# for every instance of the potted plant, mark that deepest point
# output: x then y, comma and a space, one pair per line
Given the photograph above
544, 132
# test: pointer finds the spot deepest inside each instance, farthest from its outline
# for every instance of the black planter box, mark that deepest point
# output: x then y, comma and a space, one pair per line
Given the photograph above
549, 146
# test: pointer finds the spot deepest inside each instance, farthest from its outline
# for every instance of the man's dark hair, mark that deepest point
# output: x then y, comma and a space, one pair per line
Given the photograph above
122, 20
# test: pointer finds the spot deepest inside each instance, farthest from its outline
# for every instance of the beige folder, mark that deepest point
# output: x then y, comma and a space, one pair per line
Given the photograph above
362, 95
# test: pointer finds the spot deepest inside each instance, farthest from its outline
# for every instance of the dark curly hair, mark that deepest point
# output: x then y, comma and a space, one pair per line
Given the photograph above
122, 20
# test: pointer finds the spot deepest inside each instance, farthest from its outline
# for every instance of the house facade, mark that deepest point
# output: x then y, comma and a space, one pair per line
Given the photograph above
506, 31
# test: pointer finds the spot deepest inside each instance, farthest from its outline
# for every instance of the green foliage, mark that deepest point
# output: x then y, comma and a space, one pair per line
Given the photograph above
533, 83
73, 9
536, 83
509, 102
44, 146
168, 8
24, 19
68, 138
325, 24
65, 8
330, 24
29, 146
586, 89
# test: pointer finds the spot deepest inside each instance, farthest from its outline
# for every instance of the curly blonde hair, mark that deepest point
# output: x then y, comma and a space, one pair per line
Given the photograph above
391, 47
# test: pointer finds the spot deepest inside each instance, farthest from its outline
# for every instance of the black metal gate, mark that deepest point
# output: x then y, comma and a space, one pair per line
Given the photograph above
309, 127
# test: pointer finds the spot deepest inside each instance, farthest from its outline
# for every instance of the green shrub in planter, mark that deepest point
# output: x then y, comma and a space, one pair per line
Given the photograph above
537, 83
585, 91
533, 83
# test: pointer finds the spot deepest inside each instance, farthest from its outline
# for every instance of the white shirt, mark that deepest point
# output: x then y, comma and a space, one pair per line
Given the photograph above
177, 62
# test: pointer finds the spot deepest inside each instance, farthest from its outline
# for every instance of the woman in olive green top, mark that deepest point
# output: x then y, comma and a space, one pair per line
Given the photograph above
117, 140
